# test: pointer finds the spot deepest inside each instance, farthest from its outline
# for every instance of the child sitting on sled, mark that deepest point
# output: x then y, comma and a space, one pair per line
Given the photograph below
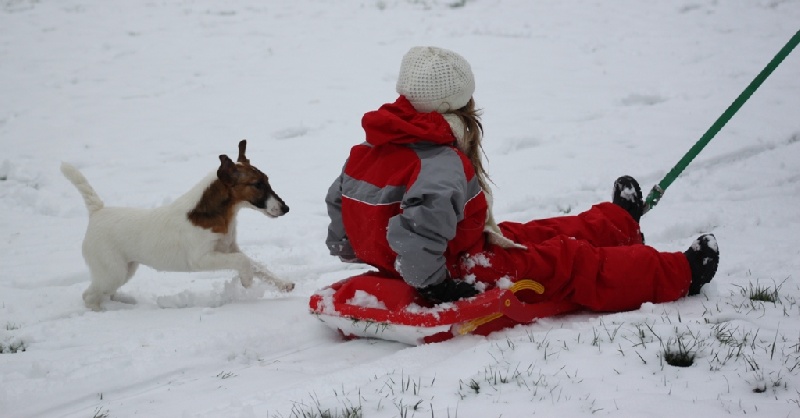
413, 202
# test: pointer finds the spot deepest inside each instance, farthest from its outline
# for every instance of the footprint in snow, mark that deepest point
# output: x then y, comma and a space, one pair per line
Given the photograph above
289, 133
642, 100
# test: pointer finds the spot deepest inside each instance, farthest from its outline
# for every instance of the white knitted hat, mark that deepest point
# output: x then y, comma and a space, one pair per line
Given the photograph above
435, 79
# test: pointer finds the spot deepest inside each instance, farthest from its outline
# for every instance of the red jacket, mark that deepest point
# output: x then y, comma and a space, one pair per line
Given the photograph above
408, 201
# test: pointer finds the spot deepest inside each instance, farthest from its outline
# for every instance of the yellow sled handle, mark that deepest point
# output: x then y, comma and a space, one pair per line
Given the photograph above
471, 325
527, 285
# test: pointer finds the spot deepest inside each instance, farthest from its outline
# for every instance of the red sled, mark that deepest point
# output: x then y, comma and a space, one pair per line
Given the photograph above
374, 306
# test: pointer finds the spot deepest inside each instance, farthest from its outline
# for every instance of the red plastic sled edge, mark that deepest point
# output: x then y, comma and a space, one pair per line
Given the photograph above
490, 311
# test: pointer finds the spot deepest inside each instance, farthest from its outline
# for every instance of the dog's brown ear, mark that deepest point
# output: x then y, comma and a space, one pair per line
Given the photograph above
227, 170
242, 148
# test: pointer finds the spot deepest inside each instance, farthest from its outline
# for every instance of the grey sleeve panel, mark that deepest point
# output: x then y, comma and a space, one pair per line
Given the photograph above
432, 208
370, 194
337, 241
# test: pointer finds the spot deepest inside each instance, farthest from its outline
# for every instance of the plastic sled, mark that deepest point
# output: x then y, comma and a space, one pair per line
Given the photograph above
374, 306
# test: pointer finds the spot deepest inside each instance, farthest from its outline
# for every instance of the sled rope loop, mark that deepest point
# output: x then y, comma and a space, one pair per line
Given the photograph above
658, 190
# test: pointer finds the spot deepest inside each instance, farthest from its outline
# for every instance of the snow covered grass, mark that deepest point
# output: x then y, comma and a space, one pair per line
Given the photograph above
143, 96
660, 351
526, 365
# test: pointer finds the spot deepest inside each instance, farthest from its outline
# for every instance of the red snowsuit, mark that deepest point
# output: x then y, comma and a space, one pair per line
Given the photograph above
408, 202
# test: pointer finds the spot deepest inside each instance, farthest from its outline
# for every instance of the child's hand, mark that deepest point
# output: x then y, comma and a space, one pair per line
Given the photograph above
448, 291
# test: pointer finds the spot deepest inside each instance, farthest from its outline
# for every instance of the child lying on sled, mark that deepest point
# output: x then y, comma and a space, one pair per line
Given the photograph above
413, 202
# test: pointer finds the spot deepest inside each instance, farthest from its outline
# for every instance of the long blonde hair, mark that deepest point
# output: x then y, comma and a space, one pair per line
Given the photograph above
470, 142
468, 130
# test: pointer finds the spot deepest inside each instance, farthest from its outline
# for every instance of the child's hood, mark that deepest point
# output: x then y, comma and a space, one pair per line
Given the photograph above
400, 123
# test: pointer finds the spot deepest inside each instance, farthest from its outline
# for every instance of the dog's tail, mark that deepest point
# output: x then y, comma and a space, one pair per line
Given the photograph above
90, 197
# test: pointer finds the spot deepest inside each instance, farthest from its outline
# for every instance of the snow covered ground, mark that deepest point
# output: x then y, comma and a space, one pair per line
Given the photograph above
144, 95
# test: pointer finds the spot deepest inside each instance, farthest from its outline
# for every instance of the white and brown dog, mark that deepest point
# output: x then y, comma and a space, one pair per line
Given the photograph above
197, 232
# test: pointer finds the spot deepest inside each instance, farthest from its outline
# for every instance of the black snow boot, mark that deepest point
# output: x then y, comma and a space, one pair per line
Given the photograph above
628, 195
703, 256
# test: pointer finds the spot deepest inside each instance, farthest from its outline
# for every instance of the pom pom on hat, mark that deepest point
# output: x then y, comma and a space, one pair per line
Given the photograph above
435, 79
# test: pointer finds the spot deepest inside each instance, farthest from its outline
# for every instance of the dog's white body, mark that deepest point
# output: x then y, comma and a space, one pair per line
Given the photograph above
119, 239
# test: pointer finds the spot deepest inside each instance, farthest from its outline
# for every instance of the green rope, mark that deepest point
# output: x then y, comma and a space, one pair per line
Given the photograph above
658, 190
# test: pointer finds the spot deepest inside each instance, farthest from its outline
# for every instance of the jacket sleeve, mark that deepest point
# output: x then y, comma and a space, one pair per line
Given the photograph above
337, 241
432, 207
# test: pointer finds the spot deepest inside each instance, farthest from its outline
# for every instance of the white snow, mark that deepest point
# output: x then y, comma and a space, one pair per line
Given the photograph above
366, 300
143, 96
505, 282
476, 260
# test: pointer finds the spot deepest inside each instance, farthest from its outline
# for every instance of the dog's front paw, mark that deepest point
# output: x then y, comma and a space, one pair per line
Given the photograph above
285, 286
268, 277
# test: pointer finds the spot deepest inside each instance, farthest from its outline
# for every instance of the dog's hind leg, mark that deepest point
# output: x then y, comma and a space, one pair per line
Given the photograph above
107, 277
116, 297
92, 298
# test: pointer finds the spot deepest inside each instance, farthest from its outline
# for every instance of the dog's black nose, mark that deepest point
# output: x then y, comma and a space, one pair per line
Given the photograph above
285, 209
